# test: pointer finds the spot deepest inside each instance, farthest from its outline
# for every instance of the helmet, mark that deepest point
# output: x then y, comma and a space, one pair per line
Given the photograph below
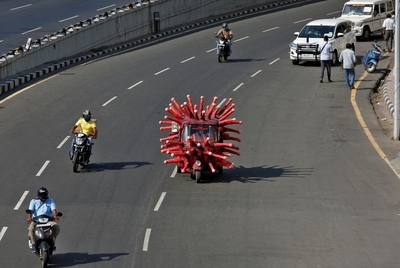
42, 193
224, 25
87, 115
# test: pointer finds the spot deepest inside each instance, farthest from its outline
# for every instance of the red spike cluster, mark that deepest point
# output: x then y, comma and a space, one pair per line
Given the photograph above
186, 146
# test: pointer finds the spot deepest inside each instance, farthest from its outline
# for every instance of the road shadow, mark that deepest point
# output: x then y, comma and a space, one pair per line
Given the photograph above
257, 174
82, 258
99, 167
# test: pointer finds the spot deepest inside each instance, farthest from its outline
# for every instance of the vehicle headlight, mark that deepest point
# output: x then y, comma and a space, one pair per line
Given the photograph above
359, 23
79, 141
198, 163
293, 45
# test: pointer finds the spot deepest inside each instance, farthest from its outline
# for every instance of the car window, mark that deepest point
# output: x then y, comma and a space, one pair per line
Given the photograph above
389, 6
348, 27
383, 8
340, 29
376, 10
357, 9
317, 31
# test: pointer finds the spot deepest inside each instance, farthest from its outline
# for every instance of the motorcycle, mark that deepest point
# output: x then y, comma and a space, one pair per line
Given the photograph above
223, 48
43, 235
371, 58
81, 151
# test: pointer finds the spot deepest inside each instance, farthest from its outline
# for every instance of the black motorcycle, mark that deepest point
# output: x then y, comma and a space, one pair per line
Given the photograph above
81, 151
223, 48
43, 235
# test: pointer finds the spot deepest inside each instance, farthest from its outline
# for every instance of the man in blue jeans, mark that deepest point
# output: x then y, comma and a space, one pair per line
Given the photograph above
348, 60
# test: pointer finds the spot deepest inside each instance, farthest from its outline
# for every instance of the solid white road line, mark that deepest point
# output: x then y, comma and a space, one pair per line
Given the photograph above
70, 18
256, 73
15, 8
38, 28
113, 98
160, 201
272, 62
166, 69
105, 7
270, 29
236, 88
188, 59
1, 41
21, 200
302, 20
146, 239
138, 83
211, 50
62, 143
43, 167
3, 231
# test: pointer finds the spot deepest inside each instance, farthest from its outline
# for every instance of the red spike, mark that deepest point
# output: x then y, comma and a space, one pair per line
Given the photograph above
166, 128
164, 122
211, 167
173, 160
201, 104
231, 151
190, 104
227, 129
179, 121
223, 117
215, 112
226, 105
230, 121
171, 137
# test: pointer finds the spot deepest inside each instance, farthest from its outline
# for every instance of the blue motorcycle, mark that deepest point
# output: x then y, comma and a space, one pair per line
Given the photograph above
371, 58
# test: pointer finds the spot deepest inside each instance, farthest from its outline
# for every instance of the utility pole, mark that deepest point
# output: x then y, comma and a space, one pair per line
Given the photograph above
396, 73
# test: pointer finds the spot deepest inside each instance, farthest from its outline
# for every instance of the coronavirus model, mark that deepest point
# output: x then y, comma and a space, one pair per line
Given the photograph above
197, 139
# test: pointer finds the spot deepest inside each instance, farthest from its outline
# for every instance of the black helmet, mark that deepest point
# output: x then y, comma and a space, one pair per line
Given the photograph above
42, 193
224, 25
87, 115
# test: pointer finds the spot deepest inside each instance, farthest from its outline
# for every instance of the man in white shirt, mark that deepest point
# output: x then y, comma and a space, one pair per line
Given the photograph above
388, 31
325, 50
348, 60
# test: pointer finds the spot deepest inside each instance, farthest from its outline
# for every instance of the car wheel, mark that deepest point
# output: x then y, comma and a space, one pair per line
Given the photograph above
366, 33
334, 58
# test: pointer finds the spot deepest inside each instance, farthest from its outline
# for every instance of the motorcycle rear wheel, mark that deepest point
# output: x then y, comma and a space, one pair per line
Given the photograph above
75, 161
371, 67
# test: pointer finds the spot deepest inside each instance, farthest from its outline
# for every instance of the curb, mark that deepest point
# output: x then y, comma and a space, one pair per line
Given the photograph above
12, 83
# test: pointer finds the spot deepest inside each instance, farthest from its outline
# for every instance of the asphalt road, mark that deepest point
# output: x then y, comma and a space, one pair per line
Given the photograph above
309, 189
25, 19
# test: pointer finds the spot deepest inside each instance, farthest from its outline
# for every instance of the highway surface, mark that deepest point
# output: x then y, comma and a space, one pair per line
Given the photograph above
309, 189
25, 19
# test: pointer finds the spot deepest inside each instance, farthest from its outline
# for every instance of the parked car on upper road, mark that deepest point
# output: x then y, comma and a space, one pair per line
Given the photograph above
367, 16
305, 46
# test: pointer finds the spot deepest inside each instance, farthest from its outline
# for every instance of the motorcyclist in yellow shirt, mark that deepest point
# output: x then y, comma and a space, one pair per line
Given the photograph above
87, 126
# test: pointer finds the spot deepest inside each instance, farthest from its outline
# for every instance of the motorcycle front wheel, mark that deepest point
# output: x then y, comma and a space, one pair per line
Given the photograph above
45, 259
219, 57
75, 161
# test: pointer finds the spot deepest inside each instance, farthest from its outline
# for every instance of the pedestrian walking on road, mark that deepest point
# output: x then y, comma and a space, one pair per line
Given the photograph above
388, 31
349, 61
325, 50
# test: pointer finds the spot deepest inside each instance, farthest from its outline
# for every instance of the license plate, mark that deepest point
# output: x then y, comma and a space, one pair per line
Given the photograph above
308, 56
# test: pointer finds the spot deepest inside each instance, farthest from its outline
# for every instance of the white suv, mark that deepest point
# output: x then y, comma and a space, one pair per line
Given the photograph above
305, 46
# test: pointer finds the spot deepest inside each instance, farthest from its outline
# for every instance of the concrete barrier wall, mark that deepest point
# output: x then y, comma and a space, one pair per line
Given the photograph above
122, 27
